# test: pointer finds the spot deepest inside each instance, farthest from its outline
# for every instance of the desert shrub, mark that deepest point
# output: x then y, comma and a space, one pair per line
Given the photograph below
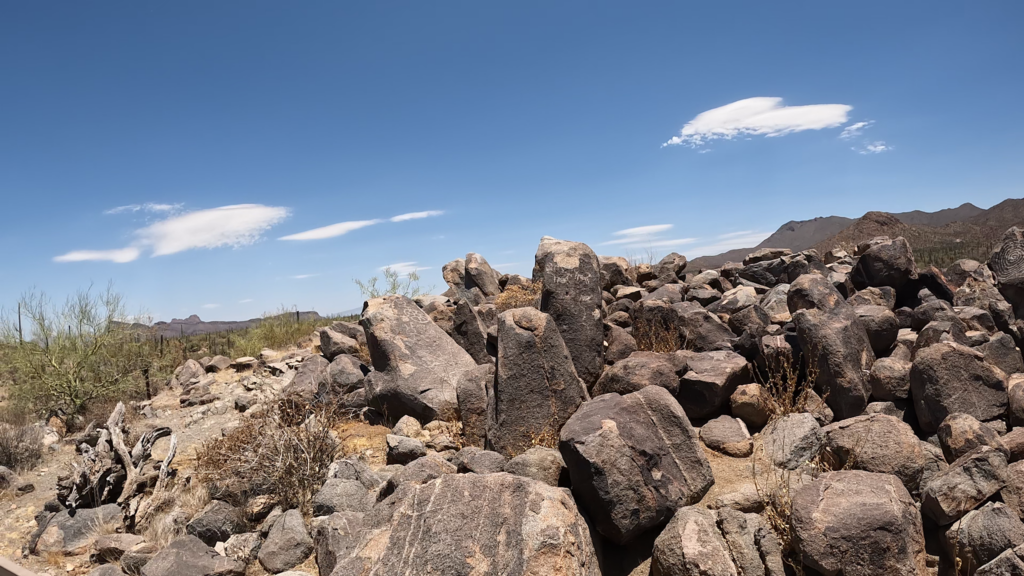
265, 455
21, 447
394, 283
276, 330
519, 296
655, 336
73, 354
788, 390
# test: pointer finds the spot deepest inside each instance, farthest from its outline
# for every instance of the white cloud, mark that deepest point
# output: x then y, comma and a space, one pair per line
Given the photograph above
735, 234
855, 129
506, 265
404, 268
342, 228
303, 276
235, 226
638, 235
211, 306
647, 237
147, 207
727, 242
245, 301
876, 147
339, 229
416, 215
120, 255
761, 116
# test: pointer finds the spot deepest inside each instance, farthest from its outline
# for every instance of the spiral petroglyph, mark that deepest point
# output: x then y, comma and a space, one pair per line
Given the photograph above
1008, 261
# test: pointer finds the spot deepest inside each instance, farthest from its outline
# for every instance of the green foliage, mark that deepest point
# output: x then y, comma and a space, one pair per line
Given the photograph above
61, 357
394, 283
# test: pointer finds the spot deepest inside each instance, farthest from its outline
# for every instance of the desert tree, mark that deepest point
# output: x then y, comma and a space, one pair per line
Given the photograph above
73, 353
394, 283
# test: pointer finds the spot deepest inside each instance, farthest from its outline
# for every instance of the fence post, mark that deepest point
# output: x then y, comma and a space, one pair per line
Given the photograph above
21, 338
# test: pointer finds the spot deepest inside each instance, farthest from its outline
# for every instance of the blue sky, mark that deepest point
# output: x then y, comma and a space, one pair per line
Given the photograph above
180, 142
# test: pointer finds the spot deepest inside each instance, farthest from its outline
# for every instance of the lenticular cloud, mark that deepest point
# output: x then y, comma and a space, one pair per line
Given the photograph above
762, 116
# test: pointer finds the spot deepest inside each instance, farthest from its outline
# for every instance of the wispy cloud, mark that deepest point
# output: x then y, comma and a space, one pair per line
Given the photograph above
726, 242
404, 268
303, 276
761, 116
856, 129
331, 231
342, 228
416, 215
147, 207
120, 255
245, 301
876, 147
234, 226
506, 265
211, 306
647, 237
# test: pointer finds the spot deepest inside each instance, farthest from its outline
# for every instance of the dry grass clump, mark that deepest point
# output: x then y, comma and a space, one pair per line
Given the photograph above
655, 335
788, 392
519, 296
172, 512
266, 455
21, 447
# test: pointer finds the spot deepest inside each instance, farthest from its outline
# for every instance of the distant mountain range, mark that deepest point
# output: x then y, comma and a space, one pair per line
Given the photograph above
193, 325
937, 238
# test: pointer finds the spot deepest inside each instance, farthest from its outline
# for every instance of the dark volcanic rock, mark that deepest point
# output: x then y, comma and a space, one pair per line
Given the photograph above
858, 523
571, 294
510, 525
641, 369
536, 388
710, 380
188, 555
416, 365
633, 460
947, 378
968, 482
885, 264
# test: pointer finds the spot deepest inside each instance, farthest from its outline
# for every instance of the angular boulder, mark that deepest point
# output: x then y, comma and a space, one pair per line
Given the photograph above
571, 278
536, 388
632, 460
716, 543
639, 370
416, 365
947, 378
287, 545
968, 482
858, 523
188, 555
510, 525
710, 379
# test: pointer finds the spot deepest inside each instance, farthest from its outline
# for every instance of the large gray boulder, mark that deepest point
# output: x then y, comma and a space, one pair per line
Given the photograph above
710, 379
1009, 563
542, 464
878, 443
716, 543
536, 388
72, 535
287, 545
888, 263
837, 345
339, 495
614, 272
472, 391
188, 555
968, 482
960, 433
335, 537
947, 378
217, 522
857, 523
632, 460
571, 278
334, 343
792, 440
469, 332
479, 275
416, 365
468, 524
639, 370
982, 535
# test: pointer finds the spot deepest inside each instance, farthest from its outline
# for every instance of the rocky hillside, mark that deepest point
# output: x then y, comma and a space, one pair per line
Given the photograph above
194, 326
938, 238
851, 413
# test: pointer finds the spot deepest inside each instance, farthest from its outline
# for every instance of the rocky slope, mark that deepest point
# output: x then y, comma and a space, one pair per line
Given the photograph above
939, 237
840, 413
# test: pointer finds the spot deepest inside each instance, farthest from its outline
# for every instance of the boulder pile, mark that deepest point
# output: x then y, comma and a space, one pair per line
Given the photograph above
874, 409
